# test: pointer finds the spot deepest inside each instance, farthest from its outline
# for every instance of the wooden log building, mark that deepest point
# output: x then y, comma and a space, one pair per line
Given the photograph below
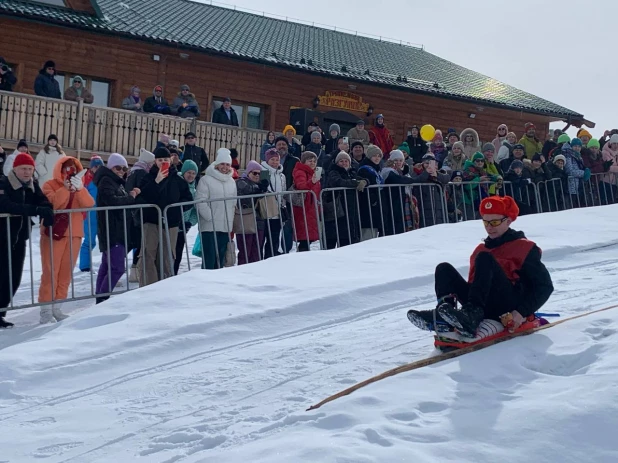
276, 72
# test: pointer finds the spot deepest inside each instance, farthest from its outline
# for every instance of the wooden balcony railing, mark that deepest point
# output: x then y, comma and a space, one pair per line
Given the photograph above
83, 129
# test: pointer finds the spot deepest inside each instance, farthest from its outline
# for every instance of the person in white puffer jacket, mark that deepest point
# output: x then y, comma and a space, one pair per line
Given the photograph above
47, 159
272, 231
216, 217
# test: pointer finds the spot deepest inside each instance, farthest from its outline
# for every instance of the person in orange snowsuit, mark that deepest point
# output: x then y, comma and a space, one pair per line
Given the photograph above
65, 191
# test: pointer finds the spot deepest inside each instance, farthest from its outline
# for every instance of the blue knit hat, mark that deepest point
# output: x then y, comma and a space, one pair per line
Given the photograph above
95, 161
576, 142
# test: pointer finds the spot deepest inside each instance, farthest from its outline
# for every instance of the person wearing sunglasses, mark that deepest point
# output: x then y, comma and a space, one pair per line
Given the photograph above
113, 239
191, 151
506, 277
157, 102
502, 132
45, 83
248, 222
185, 104
60, 244
78, 91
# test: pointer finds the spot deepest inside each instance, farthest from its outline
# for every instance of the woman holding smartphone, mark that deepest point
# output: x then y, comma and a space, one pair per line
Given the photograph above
161, 186
306, 177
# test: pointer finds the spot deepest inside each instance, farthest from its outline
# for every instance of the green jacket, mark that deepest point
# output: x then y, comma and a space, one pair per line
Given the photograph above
532, 146
493, 171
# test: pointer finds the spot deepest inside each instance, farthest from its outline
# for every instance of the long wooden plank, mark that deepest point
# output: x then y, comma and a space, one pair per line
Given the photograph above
10, 118
23, 118
446, 356
4, 114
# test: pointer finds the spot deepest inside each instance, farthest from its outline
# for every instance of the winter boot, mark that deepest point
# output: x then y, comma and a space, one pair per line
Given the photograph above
102, 299
46, 315
57, 313
5, 324
133, 274
428, 320
465, 320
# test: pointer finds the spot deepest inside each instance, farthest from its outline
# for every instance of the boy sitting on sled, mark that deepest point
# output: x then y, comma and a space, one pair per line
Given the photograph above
506, 277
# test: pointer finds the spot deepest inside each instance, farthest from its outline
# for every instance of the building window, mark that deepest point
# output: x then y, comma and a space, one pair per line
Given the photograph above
99, 88
249, 115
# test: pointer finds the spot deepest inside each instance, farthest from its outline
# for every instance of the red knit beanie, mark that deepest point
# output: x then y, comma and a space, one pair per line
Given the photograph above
23, 159
497, 205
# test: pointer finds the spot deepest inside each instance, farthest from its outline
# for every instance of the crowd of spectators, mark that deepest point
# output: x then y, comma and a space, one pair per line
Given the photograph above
322, 189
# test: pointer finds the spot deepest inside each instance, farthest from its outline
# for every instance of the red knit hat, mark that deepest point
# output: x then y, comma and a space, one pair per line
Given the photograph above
529, 126
505, 206
23, 159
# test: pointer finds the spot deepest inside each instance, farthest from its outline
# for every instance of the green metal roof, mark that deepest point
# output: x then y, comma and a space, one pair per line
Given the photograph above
284, 43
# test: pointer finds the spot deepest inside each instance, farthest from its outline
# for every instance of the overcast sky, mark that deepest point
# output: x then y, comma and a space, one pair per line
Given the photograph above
558, 50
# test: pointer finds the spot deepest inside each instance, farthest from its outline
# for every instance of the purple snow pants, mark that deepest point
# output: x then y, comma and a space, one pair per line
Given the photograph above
116, 258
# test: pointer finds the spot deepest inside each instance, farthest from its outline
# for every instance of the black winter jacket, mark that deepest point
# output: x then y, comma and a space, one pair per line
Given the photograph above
173, 189
220, 117
344, 204
153, 106
373, 205
198, 155
288, 167
418, 148
534, 286
111, 192
541, 174
7, 80
46, 85
20, 200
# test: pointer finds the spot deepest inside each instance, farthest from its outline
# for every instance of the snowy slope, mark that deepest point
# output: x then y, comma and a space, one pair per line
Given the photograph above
219, 366
550, 397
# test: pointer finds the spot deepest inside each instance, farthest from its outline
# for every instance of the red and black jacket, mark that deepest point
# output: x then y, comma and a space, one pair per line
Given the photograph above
520, 259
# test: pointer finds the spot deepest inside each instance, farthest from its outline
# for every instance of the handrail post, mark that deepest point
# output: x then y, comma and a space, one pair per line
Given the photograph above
78, 127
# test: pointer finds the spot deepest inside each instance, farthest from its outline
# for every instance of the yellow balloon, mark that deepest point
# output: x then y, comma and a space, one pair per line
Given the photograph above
428, 132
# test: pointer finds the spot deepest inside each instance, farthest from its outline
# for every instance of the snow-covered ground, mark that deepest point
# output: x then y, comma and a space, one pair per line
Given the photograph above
219, 366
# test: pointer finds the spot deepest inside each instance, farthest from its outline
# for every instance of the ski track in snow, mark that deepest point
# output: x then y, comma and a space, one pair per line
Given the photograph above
246, 391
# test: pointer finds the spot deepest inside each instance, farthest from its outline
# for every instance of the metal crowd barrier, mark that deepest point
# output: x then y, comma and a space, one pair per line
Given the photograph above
338, 214
275, 227
463, 198
599, 190
552, 195
393, 212
73, 252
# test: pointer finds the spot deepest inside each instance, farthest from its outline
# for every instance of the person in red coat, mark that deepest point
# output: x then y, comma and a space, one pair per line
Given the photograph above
306, 179
506, 275
380, 136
